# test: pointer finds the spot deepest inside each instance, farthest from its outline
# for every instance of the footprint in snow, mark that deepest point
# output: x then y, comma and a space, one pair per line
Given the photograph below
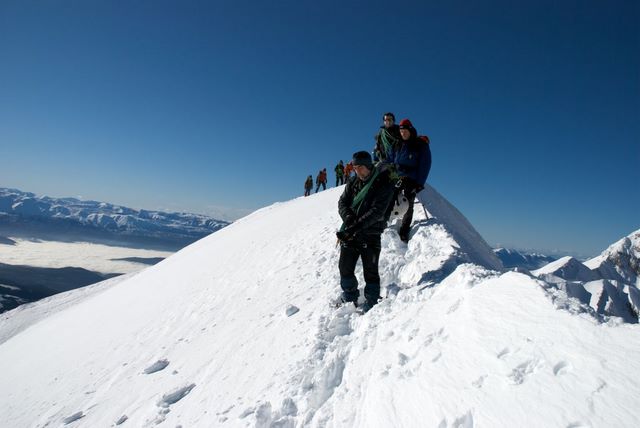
291, 310
413, 334
503, 354
478, 383
266, 416
436, 336
523, 371
175, 396
157, 366
402, 359
454, 307
464, 421
73, 418
562, 368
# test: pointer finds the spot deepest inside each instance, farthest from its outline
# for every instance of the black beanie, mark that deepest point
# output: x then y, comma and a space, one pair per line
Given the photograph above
362, 158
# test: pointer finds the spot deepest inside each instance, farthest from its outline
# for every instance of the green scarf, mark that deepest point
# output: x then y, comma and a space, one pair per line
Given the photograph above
385, 138
357, 201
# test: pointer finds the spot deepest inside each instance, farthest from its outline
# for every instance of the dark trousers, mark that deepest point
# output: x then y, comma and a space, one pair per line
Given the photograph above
410, 194
339, 180
307, 191
367, 248
323, 184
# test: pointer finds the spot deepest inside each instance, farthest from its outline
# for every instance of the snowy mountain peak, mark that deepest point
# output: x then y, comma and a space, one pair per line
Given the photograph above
621, 261
568, 268
237, 330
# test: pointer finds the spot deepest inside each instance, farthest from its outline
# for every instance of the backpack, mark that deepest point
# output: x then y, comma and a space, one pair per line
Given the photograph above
424, 138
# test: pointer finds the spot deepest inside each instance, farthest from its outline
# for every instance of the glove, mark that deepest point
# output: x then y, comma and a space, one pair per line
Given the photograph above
344, 236
419, 188
349, 220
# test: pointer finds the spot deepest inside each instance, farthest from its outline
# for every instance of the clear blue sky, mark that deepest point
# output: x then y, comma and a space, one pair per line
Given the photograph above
533, 107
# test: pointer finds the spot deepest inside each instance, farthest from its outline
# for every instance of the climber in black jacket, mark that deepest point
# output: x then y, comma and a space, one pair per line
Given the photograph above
363, 207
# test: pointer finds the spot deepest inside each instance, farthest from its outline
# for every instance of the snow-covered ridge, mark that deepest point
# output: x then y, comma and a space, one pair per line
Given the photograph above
236, 330
60, 214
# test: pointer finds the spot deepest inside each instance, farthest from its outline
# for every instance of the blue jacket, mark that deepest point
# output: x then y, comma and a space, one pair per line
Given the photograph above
413, 160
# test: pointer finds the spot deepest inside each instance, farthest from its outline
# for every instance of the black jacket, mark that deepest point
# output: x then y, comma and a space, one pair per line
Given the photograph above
369, 217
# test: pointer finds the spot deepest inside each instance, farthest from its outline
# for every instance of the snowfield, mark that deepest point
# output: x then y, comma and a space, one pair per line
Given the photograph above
236, 330
88, 255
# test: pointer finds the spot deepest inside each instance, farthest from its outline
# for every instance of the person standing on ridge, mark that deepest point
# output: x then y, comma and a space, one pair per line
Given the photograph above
362, 207
348, 168
321, 180
412, 164
308, 185
387, 140
339, 169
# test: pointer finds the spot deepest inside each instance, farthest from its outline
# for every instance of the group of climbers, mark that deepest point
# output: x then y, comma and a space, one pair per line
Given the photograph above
407, 155
321, 180
402, 164
399, 167
343, 172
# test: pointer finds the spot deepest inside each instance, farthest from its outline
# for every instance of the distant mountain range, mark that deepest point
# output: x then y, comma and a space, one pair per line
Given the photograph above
27, 214
523, 260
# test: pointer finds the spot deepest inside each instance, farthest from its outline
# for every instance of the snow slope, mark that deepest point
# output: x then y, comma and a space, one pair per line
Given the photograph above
236, 330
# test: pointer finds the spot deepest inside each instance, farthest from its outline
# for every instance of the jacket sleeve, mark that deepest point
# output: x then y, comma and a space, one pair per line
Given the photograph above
425, 164
345, 201
376, 148
383, 193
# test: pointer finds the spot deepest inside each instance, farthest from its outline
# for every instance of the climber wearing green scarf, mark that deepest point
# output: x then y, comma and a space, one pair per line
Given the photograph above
362, 207
387, 140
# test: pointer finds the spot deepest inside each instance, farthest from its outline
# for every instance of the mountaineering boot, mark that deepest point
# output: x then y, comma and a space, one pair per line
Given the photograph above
404, 235
366, 306
343, 300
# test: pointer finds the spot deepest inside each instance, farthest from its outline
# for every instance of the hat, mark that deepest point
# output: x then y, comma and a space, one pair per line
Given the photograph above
405, 124
362, 158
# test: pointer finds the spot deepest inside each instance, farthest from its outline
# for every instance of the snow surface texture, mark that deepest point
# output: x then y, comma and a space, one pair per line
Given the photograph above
208, 337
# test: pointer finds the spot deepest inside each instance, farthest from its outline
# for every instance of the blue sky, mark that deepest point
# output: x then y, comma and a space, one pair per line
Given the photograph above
533, 108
